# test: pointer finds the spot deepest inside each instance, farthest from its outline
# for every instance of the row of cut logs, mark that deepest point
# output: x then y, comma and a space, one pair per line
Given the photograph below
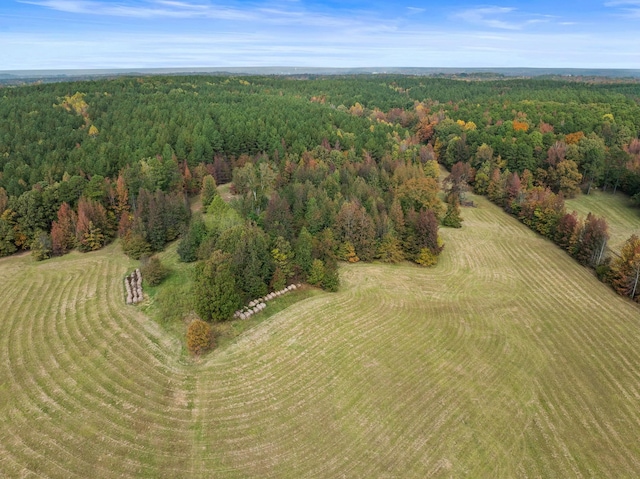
259, 304
133, 285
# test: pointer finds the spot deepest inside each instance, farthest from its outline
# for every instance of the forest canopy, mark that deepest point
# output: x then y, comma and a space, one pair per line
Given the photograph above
323, 168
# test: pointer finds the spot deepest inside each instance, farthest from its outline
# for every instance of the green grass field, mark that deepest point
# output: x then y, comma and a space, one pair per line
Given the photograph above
623, 218
506, 360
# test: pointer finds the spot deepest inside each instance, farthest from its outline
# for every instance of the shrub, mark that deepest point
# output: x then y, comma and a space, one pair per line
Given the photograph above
427, 258
41, 247
135, 246
452, 217
153, 271
331, 280
199, 337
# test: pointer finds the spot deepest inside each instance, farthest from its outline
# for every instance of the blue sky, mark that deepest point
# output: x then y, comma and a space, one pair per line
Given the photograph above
61, 34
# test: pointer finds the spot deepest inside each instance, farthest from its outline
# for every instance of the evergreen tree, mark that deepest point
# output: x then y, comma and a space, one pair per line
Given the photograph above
209, 191
191, 241
452, 217
216, 296
303, 251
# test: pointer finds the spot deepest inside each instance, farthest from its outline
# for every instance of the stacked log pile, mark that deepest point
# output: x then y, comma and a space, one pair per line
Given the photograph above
259, 304
133, 285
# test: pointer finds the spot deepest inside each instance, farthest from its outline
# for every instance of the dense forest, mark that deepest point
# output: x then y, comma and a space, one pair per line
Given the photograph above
322, 168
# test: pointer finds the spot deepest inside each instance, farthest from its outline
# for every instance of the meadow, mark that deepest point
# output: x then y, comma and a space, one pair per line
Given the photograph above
622, 216
506, 359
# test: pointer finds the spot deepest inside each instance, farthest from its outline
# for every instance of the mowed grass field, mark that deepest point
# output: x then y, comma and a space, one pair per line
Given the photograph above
506, 360
622, 216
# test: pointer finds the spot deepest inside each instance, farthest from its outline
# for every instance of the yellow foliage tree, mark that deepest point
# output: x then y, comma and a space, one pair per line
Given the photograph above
427, 258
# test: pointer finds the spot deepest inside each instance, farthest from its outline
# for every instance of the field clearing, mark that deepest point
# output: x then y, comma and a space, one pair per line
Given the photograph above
508, 359
622, 216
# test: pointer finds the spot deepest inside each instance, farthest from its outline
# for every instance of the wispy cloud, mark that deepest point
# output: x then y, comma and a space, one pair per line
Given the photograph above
416, 10
616, 3
192, 33
149, 9
284, 13
628, 8
409, 47
505, 18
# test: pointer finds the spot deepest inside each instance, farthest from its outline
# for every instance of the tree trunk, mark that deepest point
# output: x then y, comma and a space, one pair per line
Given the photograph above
600, 253
635, 283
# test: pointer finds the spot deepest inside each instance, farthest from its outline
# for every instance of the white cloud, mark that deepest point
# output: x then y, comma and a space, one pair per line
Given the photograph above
505, 18
288, 33
149, 9
360, 48
488, 16
626, 8
289, 13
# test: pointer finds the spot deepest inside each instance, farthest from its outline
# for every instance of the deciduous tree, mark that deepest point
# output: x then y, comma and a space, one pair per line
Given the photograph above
63, 231
208, 191
626, 269
592, 241
199, 337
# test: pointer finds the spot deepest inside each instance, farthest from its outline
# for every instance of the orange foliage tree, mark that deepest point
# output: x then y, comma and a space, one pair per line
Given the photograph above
63, 231
199, 336
520, 125
573, 138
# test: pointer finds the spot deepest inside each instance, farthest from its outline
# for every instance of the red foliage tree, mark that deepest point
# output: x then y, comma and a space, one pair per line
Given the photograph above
513, 188
92, 228
626, 269
63, 231
567, 231
422, 232
457, 183
592, 241
556, 153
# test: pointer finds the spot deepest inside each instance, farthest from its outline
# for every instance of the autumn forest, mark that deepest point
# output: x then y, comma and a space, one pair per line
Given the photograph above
321, 170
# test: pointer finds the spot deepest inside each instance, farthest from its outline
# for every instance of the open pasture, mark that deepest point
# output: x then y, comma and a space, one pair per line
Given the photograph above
508, 359
622, 216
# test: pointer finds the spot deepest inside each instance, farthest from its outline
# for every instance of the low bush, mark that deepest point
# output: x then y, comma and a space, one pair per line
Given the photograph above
135, 246
153, 271
199, 337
